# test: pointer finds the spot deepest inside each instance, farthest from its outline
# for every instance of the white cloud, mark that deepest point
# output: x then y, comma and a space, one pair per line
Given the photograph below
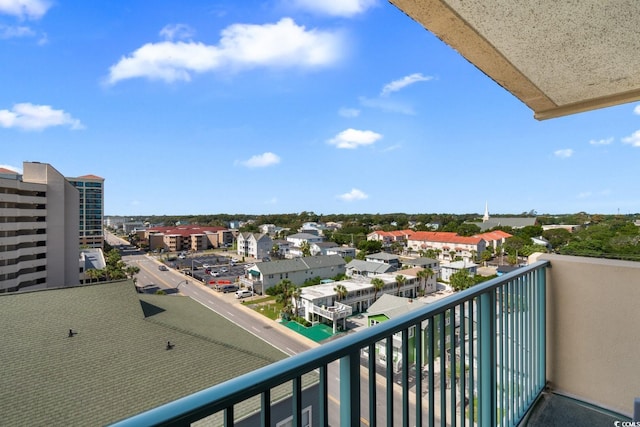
636, 109
242, 46
344, 8
396, 85
633, 139
177, 31
25, 9
605, 141
36, 117
353, 138
349, 112
386, 105
392, 148
354, 194
11, 32
564, 153
262, 160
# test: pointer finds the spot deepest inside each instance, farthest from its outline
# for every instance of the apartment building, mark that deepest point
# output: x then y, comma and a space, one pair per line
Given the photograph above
91, 191
39, 213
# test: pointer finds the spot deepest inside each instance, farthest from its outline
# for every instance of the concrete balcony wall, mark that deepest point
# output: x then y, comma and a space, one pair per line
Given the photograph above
593, 330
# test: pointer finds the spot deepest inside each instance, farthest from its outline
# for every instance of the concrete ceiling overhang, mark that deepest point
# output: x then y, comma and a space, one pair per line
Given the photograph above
558, 57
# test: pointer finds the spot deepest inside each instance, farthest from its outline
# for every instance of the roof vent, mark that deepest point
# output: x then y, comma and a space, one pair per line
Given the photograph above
71, 333
169, 345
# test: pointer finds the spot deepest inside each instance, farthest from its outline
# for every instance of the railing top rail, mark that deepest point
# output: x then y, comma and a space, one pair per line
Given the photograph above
216, 398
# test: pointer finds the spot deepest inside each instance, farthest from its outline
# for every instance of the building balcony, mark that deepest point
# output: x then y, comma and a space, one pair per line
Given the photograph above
333, 313
556, 340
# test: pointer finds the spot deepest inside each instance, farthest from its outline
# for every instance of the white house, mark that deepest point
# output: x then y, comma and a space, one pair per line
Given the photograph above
254, 245
446, 270
264, 275
447, 245
299, 238
321, 303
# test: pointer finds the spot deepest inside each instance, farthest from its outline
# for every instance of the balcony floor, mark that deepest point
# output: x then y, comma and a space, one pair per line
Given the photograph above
553, 410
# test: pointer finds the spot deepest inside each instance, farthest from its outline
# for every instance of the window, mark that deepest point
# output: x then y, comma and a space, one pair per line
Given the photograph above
306, 419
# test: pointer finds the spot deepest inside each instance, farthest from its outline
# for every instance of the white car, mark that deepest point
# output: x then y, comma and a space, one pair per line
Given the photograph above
223, 270
205, 266
214, 273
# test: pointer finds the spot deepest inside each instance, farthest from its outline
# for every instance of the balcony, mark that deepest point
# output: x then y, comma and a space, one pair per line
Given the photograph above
556, 336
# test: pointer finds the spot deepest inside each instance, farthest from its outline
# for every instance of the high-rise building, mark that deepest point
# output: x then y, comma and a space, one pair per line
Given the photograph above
91, 189
38, 228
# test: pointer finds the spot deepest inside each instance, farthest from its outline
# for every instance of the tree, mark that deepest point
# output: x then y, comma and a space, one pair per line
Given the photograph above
284, 292
275, 251
400, 281
370, 246
378, 284
305, 247
131, 270
557, 237
93, 274
341, 291
467, 229
424, 275
295, 295
461, 280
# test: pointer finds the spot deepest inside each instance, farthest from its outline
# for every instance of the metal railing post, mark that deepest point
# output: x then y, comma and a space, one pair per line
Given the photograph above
350, 389
487, 371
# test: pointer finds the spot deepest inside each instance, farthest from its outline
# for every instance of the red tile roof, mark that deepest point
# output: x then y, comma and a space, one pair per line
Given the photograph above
444, 237
494, 235
185, 230
5, 170
91, 177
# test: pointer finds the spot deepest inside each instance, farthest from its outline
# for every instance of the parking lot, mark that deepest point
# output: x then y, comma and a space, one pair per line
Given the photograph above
210, 269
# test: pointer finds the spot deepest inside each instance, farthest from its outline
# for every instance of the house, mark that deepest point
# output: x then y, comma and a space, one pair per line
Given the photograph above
389, 237
299, 238
343, 251
264, 275
421, 262
321, 248
254, 245
446, 270
357, 267
322, 303
388, 307
384, 258
447, 246
494, 238
283, 248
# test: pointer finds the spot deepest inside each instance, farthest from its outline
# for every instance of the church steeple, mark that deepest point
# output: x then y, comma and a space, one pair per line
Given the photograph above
485, 218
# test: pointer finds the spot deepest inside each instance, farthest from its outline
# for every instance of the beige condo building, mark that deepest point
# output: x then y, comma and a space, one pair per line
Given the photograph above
39, 213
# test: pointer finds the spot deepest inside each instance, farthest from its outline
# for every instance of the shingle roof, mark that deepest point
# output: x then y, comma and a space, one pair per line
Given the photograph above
299, 264
116, 364
370, 266
393, 306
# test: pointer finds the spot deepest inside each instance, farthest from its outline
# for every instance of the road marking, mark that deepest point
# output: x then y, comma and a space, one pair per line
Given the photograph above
210, 301
231, 314
291, 351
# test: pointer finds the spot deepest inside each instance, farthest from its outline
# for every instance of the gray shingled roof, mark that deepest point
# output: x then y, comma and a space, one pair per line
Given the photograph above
370, 266
299, 264
116, 364
393, 306
383, 256
513, 222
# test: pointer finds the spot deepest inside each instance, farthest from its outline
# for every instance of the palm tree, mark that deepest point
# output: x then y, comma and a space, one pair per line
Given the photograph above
93, 274
295, 295
341, 292
284, 296
400, 280
131, 270
422, 275
305, 247
378, 284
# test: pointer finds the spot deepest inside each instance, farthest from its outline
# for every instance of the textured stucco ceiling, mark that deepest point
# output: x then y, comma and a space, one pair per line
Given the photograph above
558, 57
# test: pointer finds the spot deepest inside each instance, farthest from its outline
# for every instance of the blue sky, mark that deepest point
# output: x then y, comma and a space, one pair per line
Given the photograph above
281, 106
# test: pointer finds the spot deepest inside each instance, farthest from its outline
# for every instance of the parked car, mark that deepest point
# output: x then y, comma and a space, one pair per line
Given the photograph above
162, 267
223, 270
243, 293
206, 266
228, 288
214, 273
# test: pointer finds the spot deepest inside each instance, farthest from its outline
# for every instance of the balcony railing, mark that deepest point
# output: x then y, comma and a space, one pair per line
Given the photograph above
475, 358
